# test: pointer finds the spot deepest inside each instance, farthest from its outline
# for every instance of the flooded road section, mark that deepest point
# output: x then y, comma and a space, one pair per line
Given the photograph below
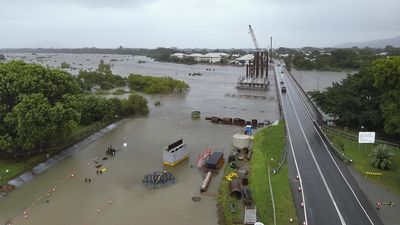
117, 196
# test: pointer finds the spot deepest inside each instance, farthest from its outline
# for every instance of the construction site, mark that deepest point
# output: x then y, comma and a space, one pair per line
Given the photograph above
256, 77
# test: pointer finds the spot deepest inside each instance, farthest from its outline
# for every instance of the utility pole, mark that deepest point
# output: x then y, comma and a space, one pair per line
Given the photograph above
270, 49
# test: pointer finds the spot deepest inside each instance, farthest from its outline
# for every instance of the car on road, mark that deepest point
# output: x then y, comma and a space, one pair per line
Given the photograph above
282, 72
281, 81
283, 89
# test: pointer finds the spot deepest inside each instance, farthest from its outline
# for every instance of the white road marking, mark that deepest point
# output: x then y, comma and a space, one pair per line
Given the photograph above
337, 167
295, 162
318, 167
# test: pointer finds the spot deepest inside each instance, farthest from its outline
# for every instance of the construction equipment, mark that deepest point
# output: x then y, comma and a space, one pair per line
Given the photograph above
256, 69
251, 32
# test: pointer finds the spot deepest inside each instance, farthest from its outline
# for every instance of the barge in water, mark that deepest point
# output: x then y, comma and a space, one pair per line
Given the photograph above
175, 153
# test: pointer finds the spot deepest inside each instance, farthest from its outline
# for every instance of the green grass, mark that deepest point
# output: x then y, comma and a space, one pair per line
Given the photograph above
224, 200
362, 156
16, 168
269, 144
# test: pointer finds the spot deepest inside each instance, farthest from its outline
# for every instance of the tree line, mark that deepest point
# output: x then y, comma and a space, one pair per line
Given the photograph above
369, 98
43, 105
334, 59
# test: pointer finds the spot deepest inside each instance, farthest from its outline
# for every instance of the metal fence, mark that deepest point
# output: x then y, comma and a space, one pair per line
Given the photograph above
55, 147
355, 138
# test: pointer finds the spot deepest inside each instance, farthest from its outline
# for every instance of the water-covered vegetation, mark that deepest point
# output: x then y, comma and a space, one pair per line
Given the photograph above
156, 85
39, 107
102, 77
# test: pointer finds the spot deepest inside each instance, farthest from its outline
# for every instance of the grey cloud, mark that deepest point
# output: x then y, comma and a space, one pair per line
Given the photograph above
195, 23
84, 3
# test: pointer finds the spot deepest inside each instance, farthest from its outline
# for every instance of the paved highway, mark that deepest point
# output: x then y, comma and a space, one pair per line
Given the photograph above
330, 194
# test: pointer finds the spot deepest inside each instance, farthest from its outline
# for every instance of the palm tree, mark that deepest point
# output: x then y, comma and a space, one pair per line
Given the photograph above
382, 157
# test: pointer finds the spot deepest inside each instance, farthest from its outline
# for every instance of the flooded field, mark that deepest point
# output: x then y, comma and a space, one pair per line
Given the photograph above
317, 80
117, 196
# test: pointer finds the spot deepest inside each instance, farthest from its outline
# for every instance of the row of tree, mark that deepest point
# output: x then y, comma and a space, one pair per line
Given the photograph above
333, 59
160, 54
369, 98
43, 105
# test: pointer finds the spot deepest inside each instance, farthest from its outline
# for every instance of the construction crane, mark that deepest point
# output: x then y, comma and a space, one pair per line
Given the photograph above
251, 32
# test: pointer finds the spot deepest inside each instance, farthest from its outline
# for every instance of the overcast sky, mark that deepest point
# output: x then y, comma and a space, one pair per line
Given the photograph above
194, 23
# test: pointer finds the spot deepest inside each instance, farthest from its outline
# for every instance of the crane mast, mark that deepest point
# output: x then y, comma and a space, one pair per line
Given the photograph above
254, 38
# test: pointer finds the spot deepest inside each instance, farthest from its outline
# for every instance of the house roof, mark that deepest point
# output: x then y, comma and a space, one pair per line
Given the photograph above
216, 54
196, 55
246, 57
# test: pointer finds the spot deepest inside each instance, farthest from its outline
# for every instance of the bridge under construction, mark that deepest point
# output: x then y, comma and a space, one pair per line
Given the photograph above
256, 73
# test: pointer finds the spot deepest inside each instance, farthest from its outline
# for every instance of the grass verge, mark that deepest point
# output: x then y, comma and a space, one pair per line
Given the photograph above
225, 200
362, 156
9, 169
267, 151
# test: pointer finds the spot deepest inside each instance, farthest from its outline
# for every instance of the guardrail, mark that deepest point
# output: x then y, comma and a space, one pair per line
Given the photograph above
277, 94
355, 138
373, 174
283, 158
330, 145
272, 196
318, 122
307, 101
284, 153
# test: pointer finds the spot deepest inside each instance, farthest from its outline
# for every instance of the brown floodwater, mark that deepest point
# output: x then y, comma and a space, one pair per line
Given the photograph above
77, 202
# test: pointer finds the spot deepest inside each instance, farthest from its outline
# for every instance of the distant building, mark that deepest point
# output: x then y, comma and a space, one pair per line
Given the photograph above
214, 57
284, 55
178, 55
196, 56
244, 60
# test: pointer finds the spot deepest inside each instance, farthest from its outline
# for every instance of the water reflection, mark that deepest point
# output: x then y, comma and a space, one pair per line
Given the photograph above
77, 202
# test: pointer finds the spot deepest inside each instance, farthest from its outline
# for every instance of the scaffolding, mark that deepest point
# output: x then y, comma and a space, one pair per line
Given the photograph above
158, 179
256, 73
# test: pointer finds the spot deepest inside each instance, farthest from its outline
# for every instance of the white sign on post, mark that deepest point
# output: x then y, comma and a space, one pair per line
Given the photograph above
366, 137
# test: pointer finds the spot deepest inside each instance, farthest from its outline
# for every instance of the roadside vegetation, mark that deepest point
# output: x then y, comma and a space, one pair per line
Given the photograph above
11, 168
268, 144
224, 200
267, 151
364, 160
368, 99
